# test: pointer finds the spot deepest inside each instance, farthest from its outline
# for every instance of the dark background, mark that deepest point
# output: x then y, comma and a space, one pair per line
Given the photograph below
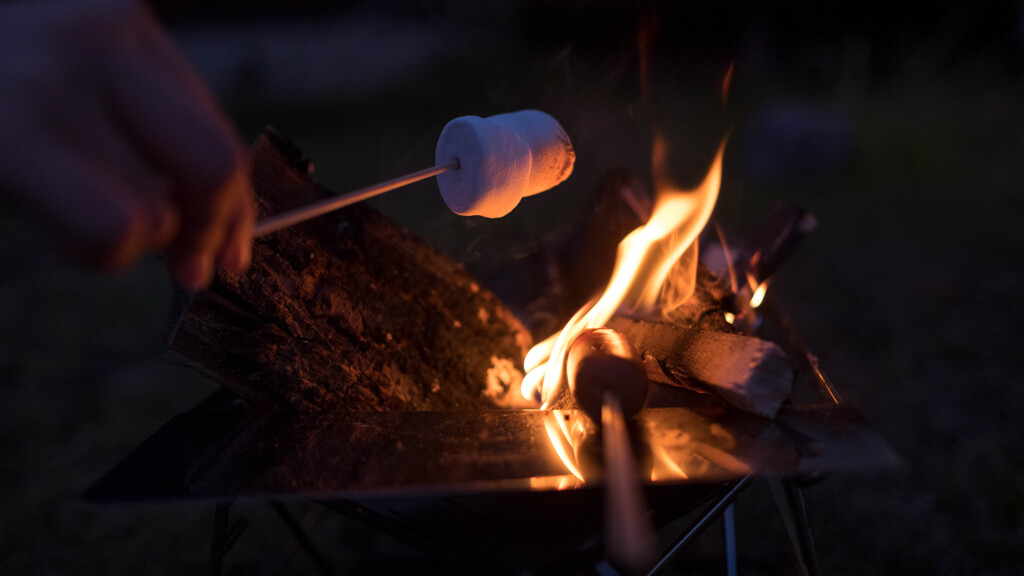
904, 135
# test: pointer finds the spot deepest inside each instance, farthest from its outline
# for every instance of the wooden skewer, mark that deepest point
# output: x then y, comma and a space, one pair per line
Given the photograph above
630, 541
608, 382
290, 218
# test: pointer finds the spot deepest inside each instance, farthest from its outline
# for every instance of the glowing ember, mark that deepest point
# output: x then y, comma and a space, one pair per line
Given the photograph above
637, 287
758, 296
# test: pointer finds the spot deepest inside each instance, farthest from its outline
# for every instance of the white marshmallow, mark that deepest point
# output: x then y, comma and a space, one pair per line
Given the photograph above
551, 151
501, 159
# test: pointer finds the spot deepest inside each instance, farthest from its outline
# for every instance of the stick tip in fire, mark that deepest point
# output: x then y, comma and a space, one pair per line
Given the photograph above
602, 361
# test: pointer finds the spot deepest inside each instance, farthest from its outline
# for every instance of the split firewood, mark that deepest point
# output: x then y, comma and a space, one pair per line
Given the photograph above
692, 298
749, 373
347, 312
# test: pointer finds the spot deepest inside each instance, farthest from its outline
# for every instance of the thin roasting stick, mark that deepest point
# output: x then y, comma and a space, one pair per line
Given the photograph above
310, 211
629, 535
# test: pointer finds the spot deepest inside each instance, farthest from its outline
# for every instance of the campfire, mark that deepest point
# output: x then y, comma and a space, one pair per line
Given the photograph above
367, 364
666, 243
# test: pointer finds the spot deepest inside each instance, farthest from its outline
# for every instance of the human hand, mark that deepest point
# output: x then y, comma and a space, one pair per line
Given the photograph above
111, 140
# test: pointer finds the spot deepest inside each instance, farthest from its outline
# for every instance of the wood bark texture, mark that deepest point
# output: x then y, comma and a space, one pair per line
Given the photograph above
348, 311
752, 374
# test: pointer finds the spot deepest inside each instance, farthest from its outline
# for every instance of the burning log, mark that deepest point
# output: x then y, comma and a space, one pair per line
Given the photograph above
657, 275
750, 373
347, 312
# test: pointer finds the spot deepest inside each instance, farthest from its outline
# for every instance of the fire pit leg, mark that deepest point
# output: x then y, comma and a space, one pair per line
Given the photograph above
796, 499
224, 537
218, 544
790, 502
716, 509
730, 540
300, 537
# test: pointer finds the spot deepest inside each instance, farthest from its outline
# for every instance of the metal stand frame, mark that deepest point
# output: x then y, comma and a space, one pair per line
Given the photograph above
224, 538
785, 491
790, 502
715, 509
787, 494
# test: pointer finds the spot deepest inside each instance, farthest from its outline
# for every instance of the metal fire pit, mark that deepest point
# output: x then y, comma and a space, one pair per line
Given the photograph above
486, 489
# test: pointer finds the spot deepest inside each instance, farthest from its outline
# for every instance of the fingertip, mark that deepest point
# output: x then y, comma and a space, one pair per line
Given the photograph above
113, 237
166, 223
234, 257
236, 251
244, 237
244, 246
193, 273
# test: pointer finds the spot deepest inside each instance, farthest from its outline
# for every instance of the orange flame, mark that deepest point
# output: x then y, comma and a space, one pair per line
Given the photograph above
561, 440
758, 297
637, 287
666, 467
